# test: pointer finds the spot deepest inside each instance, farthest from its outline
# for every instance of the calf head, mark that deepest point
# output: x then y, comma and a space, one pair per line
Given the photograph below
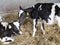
24, 13
15, 27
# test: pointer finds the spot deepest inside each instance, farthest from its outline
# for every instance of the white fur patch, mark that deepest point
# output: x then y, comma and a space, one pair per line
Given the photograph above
16, 24
58, 20
58, 4
34, 28
40, 7
4, 39
20, 12
42, 29
4, 24
52, 15
20, 32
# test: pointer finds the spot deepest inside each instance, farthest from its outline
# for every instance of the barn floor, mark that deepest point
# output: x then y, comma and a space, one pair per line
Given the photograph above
52, 36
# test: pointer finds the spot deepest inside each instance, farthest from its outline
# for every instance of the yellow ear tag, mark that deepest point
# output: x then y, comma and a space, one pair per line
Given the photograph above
27, 13
10, 27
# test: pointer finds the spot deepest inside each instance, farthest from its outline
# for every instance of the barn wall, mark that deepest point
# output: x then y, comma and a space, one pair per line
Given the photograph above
10, 5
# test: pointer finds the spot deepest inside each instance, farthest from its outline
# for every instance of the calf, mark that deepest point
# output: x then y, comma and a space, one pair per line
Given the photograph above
43, 11
8, 30
5, 35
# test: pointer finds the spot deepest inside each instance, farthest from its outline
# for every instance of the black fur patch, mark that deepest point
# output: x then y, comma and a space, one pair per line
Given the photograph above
57, 10
44, 13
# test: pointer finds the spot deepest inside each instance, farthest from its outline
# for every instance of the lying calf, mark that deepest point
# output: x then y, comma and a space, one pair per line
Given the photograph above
8, 30
5, 36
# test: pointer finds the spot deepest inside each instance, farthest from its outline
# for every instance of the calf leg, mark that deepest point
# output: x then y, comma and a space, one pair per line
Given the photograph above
42, 27
34, 26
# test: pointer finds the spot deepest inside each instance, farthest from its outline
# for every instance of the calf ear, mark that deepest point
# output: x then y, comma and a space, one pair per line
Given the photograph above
33, 6
20, 7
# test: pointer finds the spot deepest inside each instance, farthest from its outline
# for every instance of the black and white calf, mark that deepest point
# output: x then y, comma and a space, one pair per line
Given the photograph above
45, 11
8, 30
5, 36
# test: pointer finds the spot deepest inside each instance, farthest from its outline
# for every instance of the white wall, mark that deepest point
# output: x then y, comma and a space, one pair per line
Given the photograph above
9, 5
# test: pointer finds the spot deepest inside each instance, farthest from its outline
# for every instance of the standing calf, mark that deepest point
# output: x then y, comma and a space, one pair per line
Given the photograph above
43, 11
